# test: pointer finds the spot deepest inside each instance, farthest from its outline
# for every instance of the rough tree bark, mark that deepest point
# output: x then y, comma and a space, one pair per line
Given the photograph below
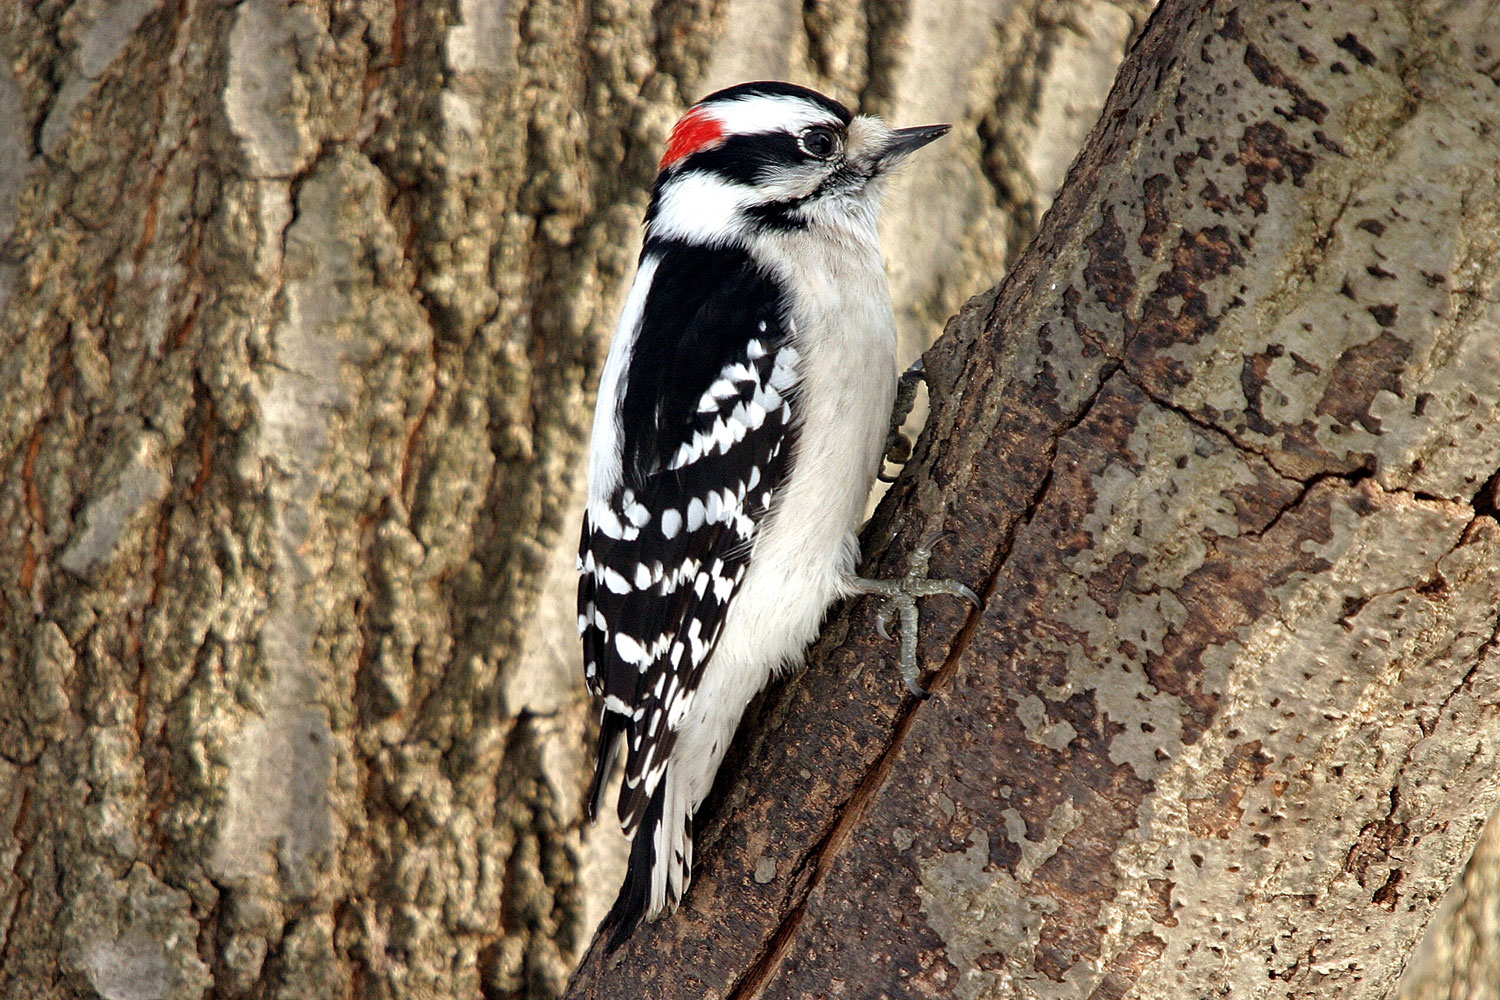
1222, 454
302, 306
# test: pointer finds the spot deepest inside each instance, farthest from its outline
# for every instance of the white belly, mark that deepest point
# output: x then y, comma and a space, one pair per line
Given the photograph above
807, 548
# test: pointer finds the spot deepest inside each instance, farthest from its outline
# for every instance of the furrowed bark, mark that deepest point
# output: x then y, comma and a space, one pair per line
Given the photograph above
303, 305
1221, 456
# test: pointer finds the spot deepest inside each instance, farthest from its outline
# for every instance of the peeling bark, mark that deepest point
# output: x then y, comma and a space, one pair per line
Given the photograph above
1220, 455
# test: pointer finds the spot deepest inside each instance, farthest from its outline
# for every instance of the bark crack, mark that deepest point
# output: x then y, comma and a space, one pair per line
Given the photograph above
826, 852
1481, 657
30, 554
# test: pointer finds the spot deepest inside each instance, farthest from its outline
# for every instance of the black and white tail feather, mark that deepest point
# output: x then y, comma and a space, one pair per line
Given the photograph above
740, 422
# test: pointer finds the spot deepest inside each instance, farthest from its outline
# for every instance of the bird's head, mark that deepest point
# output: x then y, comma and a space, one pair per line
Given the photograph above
774, 156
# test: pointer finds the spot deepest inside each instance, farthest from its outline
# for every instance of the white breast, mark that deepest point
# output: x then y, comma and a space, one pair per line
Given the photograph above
846, 332
805, 553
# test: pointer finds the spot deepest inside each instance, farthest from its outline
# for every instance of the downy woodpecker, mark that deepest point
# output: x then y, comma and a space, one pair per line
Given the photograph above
741, 420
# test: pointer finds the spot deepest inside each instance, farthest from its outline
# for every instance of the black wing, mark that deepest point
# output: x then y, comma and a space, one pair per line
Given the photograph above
707, 432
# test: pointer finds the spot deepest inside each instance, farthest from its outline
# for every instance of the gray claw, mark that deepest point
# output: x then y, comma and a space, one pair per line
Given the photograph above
901, 596
897, 446
931, 539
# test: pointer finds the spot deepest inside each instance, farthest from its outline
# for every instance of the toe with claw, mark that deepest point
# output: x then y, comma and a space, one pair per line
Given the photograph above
901, 597
897, 445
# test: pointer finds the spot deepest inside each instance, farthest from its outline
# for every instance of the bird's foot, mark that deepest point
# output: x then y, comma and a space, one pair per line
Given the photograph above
901, 597
897, 444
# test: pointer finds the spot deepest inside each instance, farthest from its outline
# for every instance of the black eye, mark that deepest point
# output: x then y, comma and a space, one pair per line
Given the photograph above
820, 142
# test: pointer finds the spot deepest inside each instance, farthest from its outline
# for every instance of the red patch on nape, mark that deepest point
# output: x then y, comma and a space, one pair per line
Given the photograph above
697, 130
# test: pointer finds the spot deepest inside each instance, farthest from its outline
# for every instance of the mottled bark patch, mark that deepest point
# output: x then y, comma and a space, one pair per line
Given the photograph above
1107, 273
1352, 45
1155, 217
1216, 814
1253, 374
1268, 156
1359, 374
1126, 967
1179, 309
1377, 842
1160, 901
1304, 105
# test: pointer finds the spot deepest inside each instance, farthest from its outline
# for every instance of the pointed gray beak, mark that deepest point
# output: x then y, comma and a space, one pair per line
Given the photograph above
909, 140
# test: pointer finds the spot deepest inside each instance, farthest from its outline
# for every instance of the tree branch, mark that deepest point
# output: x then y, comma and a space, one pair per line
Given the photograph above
1229, 718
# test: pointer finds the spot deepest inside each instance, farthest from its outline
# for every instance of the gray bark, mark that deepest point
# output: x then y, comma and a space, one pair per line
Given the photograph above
302, 305
1221, 454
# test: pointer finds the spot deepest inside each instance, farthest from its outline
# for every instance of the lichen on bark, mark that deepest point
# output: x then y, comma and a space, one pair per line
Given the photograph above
1228, 719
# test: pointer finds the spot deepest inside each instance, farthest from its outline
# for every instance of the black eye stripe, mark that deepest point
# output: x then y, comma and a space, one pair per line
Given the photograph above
744, 158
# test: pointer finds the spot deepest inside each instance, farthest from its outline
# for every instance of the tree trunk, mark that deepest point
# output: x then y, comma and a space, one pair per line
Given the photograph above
303, 305
1221, 454
1459, 959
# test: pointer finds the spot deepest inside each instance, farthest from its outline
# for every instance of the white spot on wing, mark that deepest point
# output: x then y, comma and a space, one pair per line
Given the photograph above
784, 372
608, 522
616, 583
630, 650
752, 413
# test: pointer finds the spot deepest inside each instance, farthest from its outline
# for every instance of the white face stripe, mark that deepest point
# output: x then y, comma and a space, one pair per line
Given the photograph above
759, 113
606, 445
701, 207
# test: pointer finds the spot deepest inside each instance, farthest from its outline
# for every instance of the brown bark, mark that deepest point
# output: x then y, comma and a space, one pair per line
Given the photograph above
1221, 455
302, 301
302, 306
